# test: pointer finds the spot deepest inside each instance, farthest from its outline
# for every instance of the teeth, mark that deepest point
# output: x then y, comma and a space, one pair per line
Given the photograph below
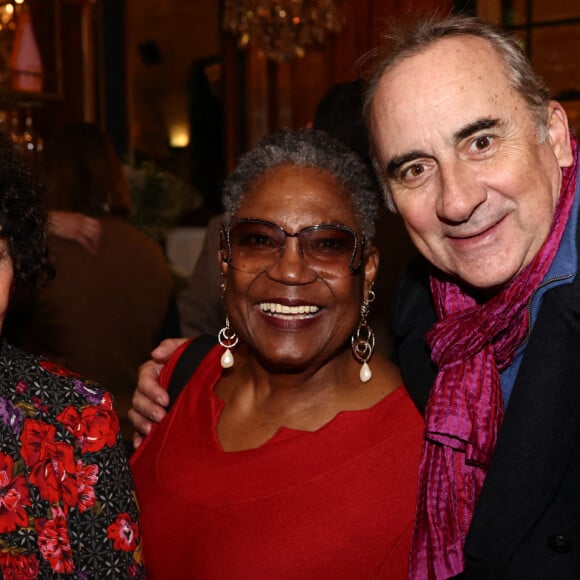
275, 308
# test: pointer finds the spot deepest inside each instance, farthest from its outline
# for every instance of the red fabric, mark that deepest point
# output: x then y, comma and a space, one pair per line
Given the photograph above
335, 504
470, 344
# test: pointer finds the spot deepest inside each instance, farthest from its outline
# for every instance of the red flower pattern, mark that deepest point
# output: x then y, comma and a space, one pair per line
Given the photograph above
21, 387
54, 542
87, 478
43, 473
39, 405
94, 427
52, 463
14, 496
124, 532
18, 566
56, 369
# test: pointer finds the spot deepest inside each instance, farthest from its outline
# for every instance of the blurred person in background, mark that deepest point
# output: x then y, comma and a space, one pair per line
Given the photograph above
104, 311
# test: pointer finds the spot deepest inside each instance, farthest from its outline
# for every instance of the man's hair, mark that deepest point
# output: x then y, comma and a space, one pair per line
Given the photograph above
306, 148
413, 38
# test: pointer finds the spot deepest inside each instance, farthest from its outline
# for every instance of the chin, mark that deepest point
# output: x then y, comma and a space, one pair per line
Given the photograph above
486, 283
488, 274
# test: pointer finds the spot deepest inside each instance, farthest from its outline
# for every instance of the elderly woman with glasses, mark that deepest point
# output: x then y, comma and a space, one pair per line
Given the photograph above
292, 451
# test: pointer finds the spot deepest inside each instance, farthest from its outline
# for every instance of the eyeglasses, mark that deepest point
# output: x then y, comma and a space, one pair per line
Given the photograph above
254, 246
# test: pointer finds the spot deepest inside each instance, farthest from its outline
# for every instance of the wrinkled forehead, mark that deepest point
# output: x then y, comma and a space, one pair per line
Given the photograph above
449, 84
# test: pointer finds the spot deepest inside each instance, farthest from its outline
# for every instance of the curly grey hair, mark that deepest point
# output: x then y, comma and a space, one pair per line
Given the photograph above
403, 43
307, 148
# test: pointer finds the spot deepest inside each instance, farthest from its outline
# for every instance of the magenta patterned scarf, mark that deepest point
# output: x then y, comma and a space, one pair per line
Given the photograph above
470, 344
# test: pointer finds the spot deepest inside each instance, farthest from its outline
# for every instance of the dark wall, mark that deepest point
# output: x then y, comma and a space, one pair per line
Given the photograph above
115, 74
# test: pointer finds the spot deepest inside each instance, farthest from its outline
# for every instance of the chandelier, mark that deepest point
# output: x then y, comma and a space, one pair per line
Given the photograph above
282, 28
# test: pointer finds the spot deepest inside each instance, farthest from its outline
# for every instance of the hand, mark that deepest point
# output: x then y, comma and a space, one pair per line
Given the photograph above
77, 227
150, 398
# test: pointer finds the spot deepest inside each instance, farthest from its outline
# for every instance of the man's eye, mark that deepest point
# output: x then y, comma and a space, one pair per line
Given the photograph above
482, 143
412, 172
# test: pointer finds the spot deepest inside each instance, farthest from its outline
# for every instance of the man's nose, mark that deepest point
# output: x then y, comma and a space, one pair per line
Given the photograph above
459, 193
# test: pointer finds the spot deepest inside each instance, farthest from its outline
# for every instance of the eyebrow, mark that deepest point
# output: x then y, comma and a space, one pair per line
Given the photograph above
397, 162
476, 126
463, 133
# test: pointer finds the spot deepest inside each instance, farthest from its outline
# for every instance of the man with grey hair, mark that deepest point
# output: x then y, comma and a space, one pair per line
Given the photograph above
482, 168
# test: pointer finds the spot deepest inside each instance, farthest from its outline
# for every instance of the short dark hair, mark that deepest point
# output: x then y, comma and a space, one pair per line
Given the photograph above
307, 148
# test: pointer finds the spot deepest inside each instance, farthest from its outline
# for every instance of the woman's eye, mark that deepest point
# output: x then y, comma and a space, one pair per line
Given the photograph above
259, 240
329, 245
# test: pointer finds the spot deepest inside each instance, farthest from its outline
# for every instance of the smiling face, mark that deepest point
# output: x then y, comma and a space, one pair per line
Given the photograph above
459, 150
292, 316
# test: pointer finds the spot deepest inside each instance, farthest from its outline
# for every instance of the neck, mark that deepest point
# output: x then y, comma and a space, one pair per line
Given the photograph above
292, 385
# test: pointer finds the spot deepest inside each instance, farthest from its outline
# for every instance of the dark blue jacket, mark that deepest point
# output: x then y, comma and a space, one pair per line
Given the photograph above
526, 525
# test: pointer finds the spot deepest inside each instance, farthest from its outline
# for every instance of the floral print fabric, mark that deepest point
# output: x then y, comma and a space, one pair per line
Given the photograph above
67, 503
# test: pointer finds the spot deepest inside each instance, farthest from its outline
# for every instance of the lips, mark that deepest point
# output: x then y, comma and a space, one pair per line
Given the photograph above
475, 234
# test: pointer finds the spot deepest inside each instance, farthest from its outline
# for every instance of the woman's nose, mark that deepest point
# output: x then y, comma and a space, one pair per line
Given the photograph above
291, 265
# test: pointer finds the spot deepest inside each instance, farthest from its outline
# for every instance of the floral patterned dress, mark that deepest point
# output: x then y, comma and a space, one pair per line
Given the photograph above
67, 502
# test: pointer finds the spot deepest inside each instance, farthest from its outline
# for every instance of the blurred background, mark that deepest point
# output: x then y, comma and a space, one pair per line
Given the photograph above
184, 87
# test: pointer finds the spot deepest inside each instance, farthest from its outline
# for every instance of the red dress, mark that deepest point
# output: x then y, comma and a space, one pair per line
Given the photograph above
337, 503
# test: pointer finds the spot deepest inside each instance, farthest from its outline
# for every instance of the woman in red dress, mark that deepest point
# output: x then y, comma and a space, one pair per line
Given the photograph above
290, 453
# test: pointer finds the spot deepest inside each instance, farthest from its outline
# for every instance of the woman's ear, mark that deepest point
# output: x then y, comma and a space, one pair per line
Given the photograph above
223, 262
371, 269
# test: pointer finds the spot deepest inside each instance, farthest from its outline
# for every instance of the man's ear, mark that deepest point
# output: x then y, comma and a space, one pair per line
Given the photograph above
559, 134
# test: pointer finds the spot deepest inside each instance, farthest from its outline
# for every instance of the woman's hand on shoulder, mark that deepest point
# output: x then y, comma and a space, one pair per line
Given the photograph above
150, 399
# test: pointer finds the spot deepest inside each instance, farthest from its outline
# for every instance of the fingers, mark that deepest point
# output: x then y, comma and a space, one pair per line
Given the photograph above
90, 234
165, 349
142, 427
149, 394
84, 230
150, 398
137, 440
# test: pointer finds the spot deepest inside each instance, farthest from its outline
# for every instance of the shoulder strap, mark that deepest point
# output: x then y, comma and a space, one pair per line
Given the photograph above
187, 363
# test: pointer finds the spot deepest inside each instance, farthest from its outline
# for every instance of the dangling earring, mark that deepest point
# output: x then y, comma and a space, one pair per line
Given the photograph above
363, 340
227, 338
